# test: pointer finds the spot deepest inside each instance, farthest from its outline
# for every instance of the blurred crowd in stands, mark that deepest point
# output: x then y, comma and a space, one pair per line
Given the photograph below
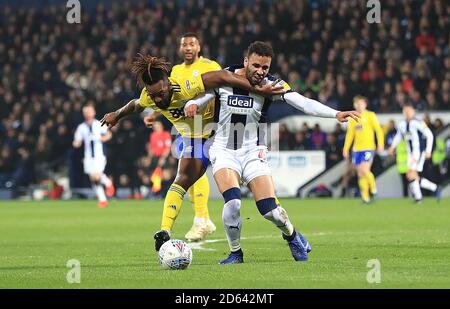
325, 49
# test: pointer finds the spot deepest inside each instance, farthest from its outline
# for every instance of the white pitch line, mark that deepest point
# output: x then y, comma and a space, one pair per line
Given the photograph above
199, 245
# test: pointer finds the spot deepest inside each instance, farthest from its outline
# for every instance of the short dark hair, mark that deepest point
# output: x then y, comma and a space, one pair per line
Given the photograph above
191, 35
261, 49
409, 103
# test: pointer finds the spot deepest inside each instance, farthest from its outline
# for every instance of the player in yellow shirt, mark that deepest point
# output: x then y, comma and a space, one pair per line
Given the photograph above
362, 135
192, 66
168, 96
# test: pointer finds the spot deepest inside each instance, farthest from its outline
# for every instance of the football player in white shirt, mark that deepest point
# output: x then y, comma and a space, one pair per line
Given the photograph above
414, 131
238, 153
93, 135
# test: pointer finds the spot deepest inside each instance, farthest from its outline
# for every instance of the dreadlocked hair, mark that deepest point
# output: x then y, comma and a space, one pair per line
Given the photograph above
148, 69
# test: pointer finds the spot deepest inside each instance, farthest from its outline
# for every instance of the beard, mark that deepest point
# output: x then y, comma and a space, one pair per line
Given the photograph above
253, 78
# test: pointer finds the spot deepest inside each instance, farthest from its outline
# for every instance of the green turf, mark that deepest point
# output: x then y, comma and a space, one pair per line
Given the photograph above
115, 246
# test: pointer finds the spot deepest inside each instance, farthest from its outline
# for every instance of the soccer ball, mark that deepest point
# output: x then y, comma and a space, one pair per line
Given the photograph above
175, 254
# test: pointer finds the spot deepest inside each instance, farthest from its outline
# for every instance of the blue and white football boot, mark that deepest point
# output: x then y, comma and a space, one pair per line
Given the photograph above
234, 258
299, 246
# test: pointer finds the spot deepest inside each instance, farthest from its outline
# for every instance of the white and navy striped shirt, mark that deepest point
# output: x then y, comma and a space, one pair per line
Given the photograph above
417, 135
91, 136
238, 114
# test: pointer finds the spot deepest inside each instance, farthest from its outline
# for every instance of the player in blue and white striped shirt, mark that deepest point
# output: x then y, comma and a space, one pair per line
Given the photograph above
419, 145
93, 135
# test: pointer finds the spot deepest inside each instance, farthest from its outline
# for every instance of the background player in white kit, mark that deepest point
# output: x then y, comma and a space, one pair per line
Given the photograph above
414, 131
238, 151
93, 135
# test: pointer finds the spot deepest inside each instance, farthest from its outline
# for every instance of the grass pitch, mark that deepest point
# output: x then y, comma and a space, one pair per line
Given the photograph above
116, 249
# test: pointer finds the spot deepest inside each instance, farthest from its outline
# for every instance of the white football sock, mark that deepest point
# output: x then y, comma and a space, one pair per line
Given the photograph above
104, 180
280, 218
426, 184
232, 221
414, 186
98, 189
199, 221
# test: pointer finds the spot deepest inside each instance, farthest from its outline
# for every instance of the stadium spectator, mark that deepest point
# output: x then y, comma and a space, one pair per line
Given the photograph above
333, 151
390, 133
159, 145
285, 138
300, 141
317, 138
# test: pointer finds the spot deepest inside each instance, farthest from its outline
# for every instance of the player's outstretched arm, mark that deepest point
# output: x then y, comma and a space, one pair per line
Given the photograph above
395, 142
76, 144
132, 107
215, 79
193, 106
315, 108
78, 139
106, 137
425, 130
349, 137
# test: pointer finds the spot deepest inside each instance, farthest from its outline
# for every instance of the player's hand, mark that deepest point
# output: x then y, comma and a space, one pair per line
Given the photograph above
344, 116
191, 110
110, 119
428, 155
345, 154
380, 149
270, 89
391, 151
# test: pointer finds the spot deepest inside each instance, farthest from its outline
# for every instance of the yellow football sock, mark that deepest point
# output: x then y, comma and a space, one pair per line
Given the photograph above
372, 183
172, 206
199, 194
364, 187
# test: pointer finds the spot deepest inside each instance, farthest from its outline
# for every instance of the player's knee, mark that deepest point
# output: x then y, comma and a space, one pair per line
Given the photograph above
95, 180
411, 176
232, 206
278, 214
362, 172
184, 181
266, 205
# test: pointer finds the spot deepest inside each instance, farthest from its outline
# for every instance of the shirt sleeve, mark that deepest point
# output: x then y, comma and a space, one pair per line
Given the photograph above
397, 138
350, 135
202, 100
144, 99
215, 66
78, 134
309, 106
378, 131
423, 128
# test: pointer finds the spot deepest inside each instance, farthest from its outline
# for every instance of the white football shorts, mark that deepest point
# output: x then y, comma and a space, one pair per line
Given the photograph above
248, 163
416, 164
94, 165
